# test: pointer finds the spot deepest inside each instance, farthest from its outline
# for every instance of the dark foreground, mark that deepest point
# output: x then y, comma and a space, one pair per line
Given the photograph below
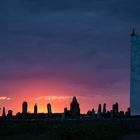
131, 137
66, 130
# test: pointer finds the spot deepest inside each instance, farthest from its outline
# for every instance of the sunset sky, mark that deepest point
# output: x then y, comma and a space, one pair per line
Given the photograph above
52, 50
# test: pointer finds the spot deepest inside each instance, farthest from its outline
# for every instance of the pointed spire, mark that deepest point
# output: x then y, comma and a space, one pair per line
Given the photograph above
74, 99
133, 32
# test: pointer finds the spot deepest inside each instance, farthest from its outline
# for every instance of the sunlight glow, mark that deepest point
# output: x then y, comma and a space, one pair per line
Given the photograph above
5, 98
53, 98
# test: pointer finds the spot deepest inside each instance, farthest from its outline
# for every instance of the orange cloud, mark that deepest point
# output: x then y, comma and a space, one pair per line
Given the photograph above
5, 98
53, 98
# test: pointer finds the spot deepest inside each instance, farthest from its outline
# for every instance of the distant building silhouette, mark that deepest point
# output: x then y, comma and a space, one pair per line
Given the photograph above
49, 108
35, 109
24, 107
74, 107
3, 112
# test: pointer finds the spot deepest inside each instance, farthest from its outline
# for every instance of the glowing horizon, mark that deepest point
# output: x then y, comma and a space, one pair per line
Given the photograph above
59, 103
59, 94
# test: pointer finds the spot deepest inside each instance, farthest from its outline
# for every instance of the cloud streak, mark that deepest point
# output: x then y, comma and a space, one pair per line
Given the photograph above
4, 98
49, 98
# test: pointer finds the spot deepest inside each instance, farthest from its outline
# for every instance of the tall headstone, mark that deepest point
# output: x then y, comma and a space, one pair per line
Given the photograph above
104, 108
115, 109
3, 112
65, 111
93, 113
24, 107
99, 111
49, 108
35, 109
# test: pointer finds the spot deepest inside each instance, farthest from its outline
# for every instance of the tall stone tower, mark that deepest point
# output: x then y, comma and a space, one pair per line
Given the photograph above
135, 75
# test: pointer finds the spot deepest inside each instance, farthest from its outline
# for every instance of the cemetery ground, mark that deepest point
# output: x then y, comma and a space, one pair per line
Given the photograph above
66, 130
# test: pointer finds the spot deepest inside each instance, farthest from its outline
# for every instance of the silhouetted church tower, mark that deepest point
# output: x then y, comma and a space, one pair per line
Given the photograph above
74, 107
135, 74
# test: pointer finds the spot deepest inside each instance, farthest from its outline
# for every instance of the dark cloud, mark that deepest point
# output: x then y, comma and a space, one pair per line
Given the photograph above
74, 40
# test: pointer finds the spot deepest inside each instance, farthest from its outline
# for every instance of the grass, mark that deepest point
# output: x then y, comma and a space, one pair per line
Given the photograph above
70, 130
